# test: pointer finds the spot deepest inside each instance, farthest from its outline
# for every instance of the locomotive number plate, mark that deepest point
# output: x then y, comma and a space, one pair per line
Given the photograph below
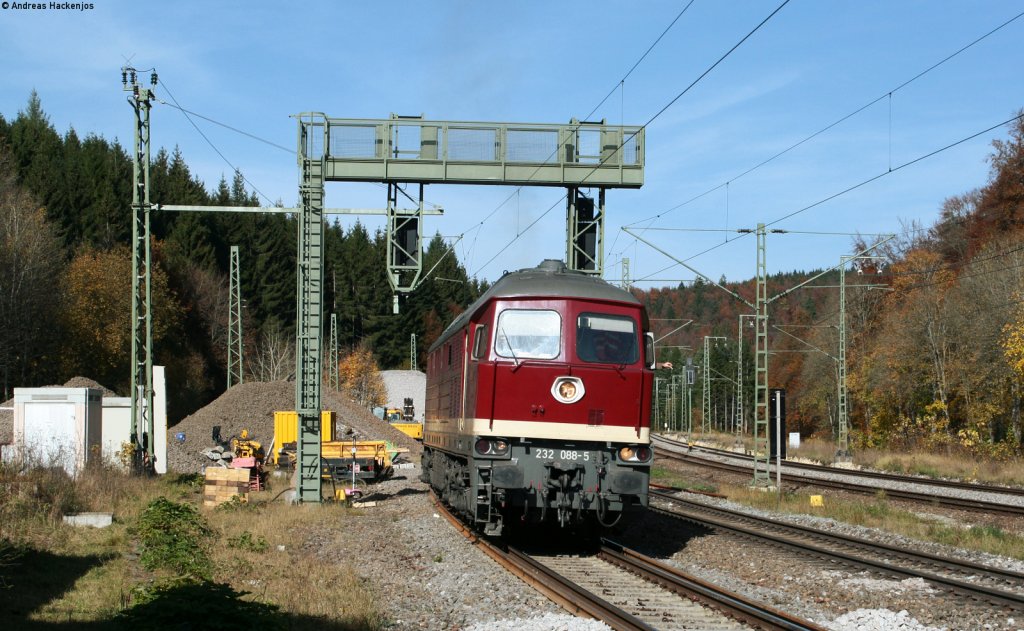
570, 455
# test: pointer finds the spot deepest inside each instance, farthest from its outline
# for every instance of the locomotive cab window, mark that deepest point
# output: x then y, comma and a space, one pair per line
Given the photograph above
609, 339
528, 334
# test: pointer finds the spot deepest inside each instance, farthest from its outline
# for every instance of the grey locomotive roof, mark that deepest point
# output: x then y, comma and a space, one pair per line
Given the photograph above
550, 278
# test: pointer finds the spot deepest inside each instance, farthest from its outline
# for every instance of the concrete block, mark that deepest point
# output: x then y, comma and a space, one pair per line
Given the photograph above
95, 520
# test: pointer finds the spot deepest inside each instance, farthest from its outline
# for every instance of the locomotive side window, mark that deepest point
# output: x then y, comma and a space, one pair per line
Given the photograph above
528, 334
480, 341
603, 338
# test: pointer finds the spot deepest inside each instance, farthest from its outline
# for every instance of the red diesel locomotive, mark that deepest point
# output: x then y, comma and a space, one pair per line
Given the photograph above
538, 403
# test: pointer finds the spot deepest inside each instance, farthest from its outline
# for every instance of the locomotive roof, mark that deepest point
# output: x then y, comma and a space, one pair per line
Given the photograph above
550, 279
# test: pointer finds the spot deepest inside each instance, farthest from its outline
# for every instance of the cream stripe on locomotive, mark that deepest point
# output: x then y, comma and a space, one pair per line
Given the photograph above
536, 429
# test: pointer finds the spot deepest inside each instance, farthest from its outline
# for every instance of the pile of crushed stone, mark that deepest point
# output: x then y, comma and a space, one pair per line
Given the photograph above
7, 416
251, 406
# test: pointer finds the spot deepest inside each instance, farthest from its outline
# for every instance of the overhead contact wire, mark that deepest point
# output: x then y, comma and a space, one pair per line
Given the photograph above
213, 146
842, 119
653, 118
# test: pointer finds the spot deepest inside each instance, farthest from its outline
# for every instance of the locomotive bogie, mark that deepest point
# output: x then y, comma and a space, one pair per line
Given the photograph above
538, 480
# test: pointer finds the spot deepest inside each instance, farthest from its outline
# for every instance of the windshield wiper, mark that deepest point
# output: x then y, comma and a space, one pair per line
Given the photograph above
509, 344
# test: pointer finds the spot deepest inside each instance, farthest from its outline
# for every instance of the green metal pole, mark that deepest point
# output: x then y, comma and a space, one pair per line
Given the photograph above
332, 370
762, 457
235, 372
706, 390
313, 148
142, 291
843, 451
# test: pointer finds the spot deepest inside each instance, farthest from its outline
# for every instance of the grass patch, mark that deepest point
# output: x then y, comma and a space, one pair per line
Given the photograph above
668, 477
165, 560
946, 463
879, 513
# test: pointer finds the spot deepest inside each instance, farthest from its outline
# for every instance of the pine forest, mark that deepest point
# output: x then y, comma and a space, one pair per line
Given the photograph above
934, 328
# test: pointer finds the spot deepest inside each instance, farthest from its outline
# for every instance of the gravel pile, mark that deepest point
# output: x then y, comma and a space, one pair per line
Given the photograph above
251, 406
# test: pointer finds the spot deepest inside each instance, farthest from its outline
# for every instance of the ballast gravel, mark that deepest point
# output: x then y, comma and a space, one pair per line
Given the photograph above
424, 574
880, 619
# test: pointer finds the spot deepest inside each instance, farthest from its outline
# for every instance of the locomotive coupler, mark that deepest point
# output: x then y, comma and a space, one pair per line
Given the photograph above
566, 483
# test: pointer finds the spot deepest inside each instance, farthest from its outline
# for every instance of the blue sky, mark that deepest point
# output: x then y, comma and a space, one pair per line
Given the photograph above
254, 64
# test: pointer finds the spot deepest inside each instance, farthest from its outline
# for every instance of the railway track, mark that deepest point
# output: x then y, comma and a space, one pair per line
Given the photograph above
627, 590
861, 473
683, 453
970, 581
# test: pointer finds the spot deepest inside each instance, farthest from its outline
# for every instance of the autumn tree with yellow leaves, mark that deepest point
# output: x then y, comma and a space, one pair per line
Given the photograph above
97, 295
359, 376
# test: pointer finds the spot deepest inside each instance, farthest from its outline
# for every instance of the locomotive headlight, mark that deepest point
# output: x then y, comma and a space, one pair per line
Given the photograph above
491, 446
567, 389
633, 453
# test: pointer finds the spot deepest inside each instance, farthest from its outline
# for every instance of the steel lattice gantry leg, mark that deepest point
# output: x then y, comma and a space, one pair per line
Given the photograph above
706, 387
309, 334
235, 372
738, 429
585, 232
332, 359
843, 451
142, 294
762, 447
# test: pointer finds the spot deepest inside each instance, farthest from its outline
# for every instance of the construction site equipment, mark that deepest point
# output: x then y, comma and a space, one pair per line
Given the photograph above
245, 447
223, 484
412, 429
403, 420
370, 460
286, 431
255, 468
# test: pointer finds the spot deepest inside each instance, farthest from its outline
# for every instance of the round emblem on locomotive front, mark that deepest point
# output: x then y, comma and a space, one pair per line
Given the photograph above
568, 389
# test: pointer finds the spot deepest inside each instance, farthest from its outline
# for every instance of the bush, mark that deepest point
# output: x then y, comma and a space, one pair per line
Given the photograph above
174, 537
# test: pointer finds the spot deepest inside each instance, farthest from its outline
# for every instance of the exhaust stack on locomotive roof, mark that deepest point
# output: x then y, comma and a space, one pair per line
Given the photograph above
538, 403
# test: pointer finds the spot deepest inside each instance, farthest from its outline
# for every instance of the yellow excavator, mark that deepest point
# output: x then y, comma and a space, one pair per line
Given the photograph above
403, 421
245, 447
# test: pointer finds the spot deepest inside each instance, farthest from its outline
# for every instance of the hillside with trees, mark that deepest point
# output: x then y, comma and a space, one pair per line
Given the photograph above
65, 272
935, 330
935, 348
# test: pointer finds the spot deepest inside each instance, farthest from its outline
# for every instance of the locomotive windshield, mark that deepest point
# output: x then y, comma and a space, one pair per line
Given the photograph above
528, 334
603, 338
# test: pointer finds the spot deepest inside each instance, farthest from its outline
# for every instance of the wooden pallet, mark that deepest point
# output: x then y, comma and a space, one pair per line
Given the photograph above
223, 484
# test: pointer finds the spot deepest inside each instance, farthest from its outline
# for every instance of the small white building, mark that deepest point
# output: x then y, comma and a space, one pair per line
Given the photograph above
58, 426
406, 383
117, 427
